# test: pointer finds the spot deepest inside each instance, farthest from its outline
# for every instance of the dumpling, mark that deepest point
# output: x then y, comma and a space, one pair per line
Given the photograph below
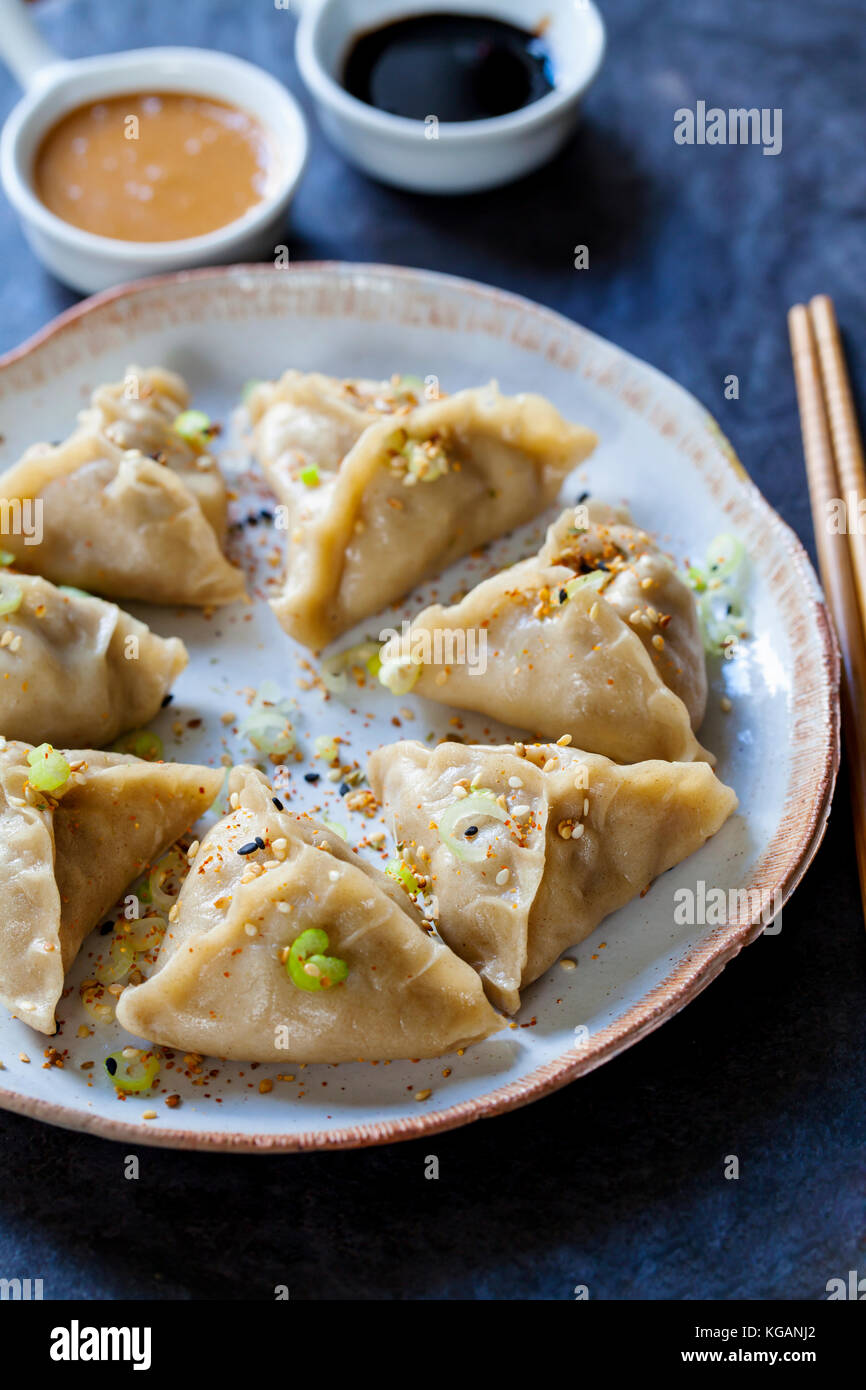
644, 588
527, 849
66, 857
376, 504
76, 671
265, 881
140, 412
113, 521
538, 650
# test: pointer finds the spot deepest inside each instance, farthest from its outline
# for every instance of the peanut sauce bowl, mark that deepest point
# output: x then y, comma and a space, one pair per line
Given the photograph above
441, 156
54, 87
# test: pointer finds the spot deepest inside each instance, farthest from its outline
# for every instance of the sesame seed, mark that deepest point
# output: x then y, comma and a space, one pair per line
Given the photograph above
593, 613
459, 792
549, 765
518, 812
265, 1086
149, 1115
567, 963
658, 642
515, 782
423, 1095
251, 929
578, 831
503, 876
564, 741
586, 805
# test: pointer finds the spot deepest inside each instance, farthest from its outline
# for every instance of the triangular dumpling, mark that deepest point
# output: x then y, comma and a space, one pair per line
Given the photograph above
113, 521
522, 649
221, 985
374, 510
76, 670
546, 842
644, 588
65, 858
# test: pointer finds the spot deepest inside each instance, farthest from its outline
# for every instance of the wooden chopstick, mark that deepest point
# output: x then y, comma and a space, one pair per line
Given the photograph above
834, 562
847, 446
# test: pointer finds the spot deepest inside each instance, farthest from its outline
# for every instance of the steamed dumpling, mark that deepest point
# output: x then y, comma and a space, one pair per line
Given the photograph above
76, 671
644, 588
221, 985
525, 649
379, 502
139, 413
576, 838
107, 518
65, 858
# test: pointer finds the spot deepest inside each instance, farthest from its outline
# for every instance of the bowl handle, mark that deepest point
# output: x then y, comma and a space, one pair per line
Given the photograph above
22, 47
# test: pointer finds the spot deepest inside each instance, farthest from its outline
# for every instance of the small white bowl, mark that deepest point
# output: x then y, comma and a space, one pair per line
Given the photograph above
462, 156
89, 262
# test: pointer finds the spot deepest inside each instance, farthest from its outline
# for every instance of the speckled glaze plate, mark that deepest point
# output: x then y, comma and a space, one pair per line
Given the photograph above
778, 746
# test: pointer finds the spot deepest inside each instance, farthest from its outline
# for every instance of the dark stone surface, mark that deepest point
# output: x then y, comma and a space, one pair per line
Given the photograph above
615, 1182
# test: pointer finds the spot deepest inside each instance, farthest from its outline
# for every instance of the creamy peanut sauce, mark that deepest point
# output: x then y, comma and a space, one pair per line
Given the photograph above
154, 166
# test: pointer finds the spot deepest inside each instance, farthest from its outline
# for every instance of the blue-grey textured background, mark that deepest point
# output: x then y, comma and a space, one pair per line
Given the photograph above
617, 1181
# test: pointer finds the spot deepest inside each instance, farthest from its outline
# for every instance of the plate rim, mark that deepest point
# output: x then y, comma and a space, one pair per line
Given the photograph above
678, 988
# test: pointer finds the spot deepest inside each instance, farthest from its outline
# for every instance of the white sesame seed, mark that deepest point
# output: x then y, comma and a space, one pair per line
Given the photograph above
515, 782
518, 812
564, 741
586, 805
251, 929
577, 831
503, 876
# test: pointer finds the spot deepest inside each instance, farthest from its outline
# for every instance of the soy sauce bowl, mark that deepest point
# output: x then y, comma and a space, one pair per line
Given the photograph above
53, 87
448, 156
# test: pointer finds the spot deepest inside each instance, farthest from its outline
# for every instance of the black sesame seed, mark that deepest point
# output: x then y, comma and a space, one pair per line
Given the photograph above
470, 831
266, 515
166, 700
260, 842
111, 1065
106, 928
312, 776
344, 788
562, 595
250, 848
582, 498
277, 802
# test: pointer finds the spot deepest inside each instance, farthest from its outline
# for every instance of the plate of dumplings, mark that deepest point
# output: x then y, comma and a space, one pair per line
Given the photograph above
407, 703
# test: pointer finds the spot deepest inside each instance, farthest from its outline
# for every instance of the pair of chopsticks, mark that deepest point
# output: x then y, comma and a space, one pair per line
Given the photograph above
837, 488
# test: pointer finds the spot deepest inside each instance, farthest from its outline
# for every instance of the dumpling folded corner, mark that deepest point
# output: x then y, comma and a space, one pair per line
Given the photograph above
66, 857
527, 849
379, 502
373, 984
543, 649
77, 671
643, 586
113, 520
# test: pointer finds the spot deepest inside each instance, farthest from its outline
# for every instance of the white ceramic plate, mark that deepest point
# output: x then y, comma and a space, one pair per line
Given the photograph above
661, 451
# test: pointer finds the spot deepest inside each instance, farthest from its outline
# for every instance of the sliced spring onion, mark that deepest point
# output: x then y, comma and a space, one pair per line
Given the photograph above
479, 803
131, 1075
414, 384
399, 673
49, 770
142, 743
335, 670
309, 968
400, 871
725, 556
6, 557
328, 749
167, 874
94, 1001
71, 589
268, 726
337, 828
144, 934
119, 961
598, 580
193, 426
309, 476
11, 595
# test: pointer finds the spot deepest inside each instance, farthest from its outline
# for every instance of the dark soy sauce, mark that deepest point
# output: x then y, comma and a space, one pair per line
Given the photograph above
454, 67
